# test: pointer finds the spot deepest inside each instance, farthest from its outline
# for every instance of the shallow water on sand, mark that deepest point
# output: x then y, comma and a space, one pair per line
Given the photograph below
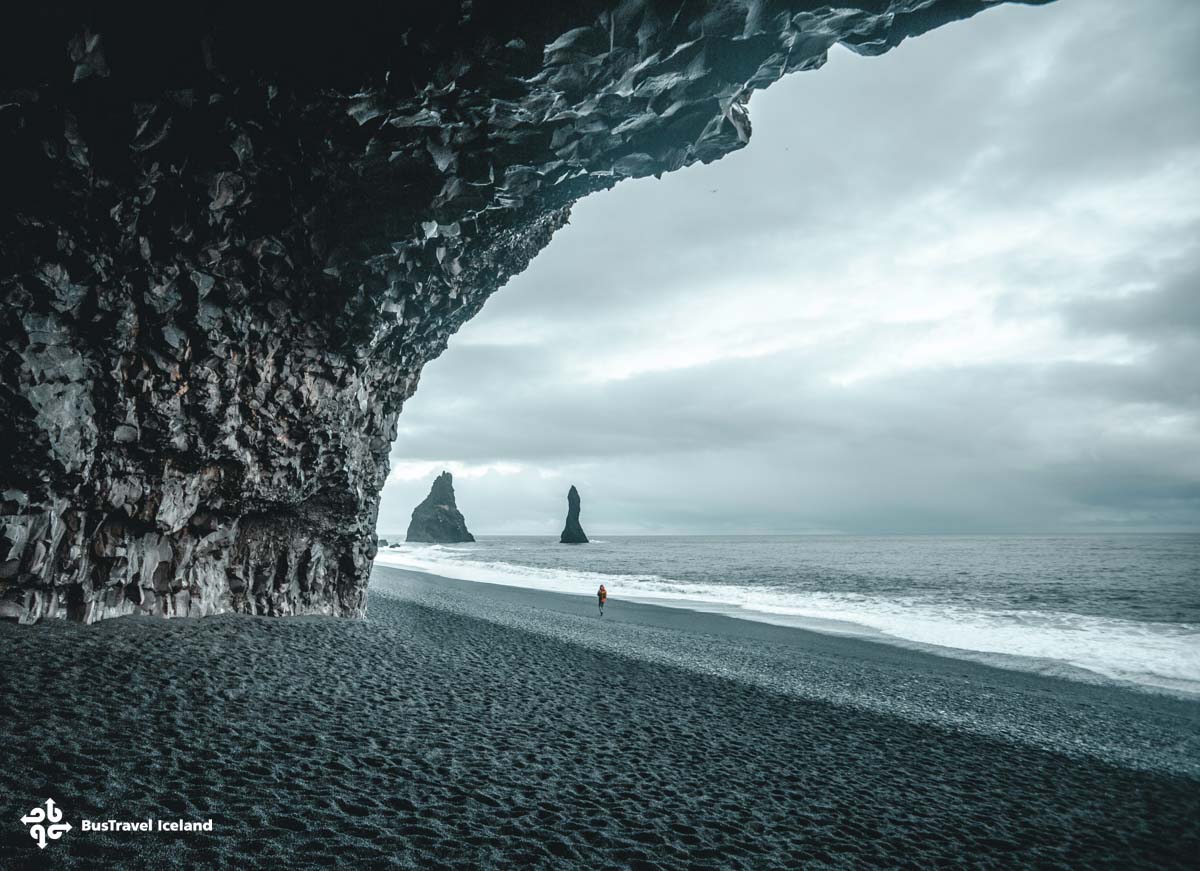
1123, 607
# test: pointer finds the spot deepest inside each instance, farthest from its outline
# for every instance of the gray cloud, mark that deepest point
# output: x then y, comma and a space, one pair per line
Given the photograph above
949, 289
1168, 309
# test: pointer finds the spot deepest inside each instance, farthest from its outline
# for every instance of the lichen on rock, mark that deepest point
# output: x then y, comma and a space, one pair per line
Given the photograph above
233, 238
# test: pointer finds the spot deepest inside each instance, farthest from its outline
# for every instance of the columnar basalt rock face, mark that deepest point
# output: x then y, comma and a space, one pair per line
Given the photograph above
231, 239
437, 519
572, 532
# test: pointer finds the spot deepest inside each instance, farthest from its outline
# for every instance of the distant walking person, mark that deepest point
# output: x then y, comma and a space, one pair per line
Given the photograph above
602, 597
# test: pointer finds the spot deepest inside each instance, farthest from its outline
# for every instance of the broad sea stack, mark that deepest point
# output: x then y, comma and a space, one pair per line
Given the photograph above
573, 533
437, 519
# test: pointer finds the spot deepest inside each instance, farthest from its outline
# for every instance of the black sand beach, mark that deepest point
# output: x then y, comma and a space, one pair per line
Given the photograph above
465, 725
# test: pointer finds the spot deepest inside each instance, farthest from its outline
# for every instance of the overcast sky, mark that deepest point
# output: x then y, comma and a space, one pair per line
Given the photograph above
950, 289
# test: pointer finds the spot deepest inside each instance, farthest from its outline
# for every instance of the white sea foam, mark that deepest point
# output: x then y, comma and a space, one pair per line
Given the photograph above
1161, 655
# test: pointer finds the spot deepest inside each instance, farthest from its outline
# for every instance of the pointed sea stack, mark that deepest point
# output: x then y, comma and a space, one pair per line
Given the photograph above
573, 533
438, 519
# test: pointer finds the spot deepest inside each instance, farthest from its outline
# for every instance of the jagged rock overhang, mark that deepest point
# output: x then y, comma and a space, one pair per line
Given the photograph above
235, 233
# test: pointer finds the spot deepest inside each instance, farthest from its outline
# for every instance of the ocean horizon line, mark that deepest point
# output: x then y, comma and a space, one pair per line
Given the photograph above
832, 534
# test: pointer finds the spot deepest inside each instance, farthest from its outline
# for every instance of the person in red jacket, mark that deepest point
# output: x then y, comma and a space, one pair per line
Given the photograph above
602, 597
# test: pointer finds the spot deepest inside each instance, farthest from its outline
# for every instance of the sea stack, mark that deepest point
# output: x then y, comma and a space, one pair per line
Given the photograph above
437, 519
573, 533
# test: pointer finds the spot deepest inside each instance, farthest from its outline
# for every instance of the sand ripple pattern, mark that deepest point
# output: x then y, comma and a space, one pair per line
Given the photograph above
425, 737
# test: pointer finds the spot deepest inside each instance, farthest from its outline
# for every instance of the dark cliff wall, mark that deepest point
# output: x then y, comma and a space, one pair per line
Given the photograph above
232, 238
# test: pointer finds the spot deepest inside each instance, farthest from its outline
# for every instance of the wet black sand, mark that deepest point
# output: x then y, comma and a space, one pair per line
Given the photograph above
471, 726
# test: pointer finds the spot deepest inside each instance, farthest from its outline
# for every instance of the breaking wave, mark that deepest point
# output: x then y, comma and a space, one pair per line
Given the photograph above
1151, 654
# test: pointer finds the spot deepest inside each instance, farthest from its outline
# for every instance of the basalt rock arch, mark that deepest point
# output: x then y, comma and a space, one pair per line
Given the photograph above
232, 236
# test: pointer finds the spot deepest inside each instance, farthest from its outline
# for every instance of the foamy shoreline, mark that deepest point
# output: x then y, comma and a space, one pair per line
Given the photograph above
1045, 709
1158, 658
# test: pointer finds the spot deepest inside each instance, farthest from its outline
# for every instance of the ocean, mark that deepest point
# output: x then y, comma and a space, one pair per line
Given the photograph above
1123, 608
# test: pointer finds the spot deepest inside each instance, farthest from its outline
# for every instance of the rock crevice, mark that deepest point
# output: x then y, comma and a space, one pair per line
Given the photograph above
233, 238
